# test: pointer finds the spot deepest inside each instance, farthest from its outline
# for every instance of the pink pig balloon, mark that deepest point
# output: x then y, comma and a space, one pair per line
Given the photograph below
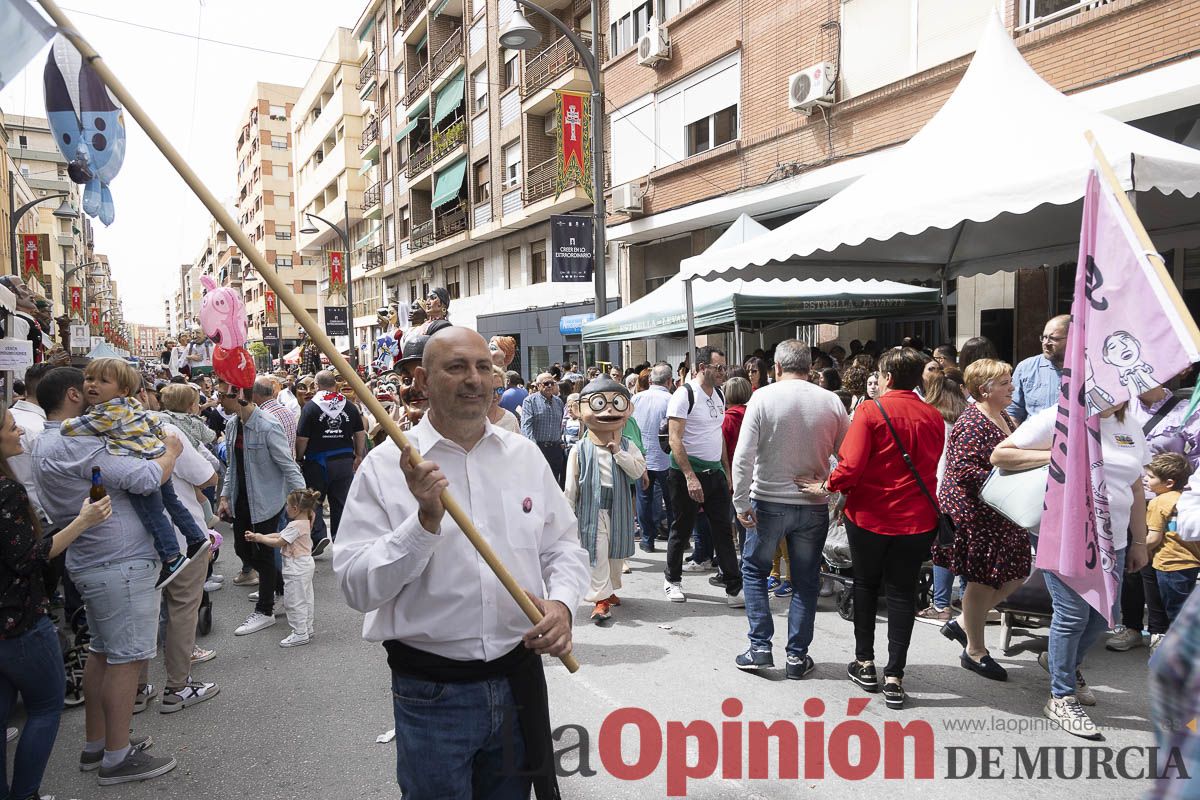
222, 315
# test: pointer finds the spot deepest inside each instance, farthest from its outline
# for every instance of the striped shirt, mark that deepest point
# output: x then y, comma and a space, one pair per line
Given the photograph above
286, 418
542, 419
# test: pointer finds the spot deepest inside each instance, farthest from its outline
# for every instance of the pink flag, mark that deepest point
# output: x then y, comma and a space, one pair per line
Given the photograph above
1127, 336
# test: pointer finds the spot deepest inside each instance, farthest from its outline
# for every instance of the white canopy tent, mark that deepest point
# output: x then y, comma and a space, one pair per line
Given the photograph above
994, 181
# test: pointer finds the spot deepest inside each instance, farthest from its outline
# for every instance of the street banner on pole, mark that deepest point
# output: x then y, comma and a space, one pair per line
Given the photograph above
1130, 333
75, 294
94, 318
107, 329
31, 263
574, 150
269, 303
336, 323
571, 246
337, 272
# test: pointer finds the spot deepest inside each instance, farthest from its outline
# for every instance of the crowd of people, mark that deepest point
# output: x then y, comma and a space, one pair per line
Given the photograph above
113, 485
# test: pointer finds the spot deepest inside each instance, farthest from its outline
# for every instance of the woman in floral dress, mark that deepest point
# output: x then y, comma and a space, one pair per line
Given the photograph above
992, 553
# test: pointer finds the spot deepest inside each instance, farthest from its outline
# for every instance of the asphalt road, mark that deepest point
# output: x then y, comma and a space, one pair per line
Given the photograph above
302, 722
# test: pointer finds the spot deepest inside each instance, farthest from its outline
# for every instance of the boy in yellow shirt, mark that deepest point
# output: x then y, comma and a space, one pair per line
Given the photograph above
1177, 563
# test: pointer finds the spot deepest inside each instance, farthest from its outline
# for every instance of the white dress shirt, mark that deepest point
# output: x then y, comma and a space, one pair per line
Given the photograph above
289, 401
433, 591
191, 470
32, 421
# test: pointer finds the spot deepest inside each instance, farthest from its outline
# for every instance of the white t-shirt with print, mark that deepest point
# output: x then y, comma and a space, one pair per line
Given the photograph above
702, 430
1125, 454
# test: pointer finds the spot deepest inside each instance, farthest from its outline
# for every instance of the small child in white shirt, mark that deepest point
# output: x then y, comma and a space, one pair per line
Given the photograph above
296, 544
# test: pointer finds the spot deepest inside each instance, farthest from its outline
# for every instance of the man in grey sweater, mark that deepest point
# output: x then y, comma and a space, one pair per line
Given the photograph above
791, 430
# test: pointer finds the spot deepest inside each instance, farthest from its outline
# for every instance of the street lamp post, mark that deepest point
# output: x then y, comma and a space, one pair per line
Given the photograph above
520, 35
344, 234
64, 211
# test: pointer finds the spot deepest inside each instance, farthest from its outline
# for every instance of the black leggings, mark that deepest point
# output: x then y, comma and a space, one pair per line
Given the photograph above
1139, 591
892, 563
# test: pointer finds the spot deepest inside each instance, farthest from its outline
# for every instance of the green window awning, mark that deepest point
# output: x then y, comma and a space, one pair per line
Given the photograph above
416, 111
407, 129
437, 12
424, 40
366, 167
363, 241
366, 31
450, 97
449, 182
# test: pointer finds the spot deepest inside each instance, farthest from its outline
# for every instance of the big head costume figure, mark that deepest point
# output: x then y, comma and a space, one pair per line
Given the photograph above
504, 350
601, 470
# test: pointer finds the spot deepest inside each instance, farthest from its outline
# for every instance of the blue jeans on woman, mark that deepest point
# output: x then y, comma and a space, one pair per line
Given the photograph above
804, 529
31, 665
1074, 628
943, 587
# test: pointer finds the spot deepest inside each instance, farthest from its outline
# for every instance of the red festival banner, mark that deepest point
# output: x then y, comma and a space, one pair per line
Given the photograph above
574, 141
107, 329
76, 300
31, 263
337, 272
94, 318
269, 303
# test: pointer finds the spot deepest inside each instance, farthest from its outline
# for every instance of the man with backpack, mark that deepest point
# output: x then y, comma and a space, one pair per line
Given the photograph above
698, 475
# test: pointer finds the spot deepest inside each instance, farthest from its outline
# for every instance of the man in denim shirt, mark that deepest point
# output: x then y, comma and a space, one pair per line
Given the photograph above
260, 471
1037, 381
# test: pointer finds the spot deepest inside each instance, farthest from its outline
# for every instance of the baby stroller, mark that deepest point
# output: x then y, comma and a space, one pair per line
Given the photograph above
838, 567
75, 655
204, 613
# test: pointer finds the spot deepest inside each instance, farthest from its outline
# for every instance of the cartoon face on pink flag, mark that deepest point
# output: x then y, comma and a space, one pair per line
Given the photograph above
222, 315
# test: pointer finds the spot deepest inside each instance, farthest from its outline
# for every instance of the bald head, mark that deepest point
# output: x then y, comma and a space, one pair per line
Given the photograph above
263, 389
326, 380
454, 339
456, 374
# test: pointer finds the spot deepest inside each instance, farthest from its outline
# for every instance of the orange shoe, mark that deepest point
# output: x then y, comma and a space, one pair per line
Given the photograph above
601, 611
613, 600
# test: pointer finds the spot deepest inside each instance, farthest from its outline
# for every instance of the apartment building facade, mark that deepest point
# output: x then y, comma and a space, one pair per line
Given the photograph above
465, 166
708, 133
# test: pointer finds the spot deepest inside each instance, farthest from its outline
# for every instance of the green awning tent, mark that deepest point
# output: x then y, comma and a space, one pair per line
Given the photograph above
416, 111
450, 97
719, 305
448, 183
407, 129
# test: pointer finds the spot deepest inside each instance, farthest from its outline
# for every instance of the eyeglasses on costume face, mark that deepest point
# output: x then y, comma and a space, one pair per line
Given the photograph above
598, 402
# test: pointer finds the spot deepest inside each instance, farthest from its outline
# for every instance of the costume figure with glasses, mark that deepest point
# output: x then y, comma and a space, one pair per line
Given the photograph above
1037, 381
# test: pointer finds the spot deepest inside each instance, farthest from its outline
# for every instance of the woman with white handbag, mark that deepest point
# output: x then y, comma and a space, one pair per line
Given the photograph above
989, 551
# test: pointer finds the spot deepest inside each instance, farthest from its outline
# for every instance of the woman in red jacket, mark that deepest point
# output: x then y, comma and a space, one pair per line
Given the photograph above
889, 520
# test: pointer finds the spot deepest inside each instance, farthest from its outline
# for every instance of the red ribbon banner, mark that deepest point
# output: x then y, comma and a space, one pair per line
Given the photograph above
337, 271
269, 302
31, 256
76, 296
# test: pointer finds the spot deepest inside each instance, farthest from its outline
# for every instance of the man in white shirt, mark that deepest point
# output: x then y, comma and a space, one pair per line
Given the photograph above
284, 394
31, 419
698, 474
451, 631
791, 429
649, 411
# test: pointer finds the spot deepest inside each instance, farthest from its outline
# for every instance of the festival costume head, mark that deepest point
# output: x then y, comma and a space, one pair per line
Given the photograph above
504, 350
604, 407
414, 401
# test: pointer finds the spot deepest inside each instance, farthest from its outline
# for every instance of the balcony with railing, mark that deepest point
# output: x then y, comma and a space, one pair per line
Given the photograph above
372, 197
539, 181
449, 138
370, 135
450, 220
373, 257
419, 160
450, 51
367, 72
553, 62
422, 235
417, 83
412, 11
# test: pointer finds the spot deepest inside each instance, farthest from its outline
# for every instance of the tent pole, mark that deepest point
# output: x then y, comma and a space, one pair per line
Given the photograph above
690, 358
945, 321
737, 341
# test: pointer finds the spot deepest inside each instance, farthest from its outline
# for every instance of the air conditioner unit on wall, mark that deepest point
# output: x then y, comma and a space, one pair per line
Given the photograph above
811, 87
626, 199
551, 123
653, 46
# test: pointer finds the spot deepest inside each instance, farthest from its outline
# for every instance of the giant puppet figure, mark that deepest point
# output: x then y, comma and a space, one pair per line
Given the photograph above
88, 126
223, 318
602, 469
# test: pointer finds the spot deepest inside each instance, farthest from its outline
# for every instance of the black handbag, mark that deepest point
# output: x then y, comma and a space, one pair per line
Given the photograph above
945, 525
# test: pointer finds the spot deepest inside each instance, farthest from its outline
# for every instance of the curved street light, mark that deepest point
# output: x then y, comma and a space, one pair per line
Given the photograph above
344, 235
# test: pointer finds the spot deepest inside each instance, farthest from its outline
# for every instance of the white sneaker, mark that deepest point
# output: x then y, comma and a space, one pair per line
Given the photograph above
1071, 717
702, 566
674, 592
295, 640
200, 654
213, 586
194, 692
736, 600
11, 734
252, 597
217, 578
1155, 640
253, 624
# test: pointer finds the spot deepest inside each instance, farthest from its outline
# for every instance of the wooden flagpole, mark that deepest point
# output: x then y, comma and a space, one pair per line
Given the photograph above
284, 294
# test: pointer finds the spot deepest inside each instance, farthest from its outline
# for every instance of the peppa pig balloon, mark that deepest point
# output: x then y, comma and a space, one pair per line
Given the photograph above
222, 315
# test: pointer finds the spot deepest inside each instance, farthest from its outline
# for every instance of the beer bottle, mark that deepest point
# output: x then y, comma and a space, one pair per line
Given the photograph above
98, 492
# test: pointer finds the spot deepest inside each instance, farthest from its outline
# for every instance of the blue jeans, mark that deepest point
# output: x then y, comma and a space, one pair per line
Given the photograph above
31, 665
943, 586
458, 740
804, 528
1074, 628
702, 547
156, 511
1174, 587
648, 510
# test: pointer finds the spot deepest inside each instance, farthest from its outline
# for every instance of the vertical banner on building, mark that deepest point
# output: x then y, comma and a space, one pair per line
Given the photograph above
269, 303
337, 272
94, 319
571, 245
31, 256
107, 329
75, 293
574, 141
